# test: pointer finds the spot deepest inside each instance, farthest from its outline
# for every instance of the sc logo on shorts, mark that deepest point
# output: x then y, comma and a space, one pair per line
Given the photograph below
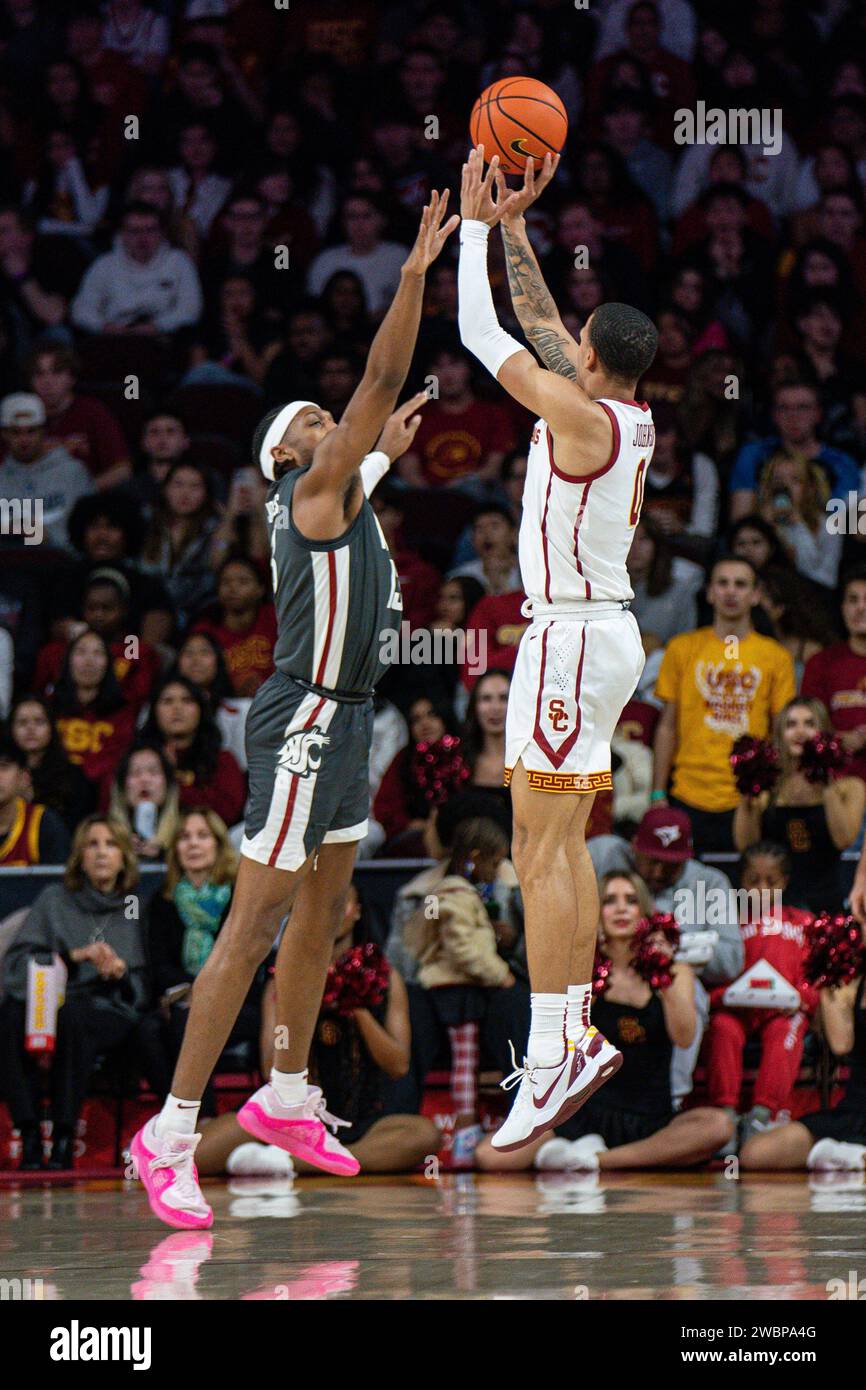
301, 753
558, 716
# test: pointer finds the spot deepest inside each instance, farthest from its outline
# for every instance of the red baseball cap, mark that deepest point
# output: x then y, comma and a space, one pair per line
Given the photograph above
665, 833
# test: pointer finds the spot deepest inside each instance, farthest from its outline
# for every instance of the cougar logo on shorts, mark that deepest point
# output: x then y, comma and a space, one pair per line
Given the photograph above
302, 752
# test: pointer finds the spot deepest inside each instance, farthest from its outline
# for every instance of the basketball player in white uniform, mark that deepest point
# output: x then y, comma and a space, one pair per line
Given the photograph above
580, 658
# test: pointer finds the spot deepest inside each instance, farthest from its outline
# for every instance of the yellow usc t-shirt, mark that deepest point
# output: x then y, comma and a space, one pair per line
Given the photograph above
722, 689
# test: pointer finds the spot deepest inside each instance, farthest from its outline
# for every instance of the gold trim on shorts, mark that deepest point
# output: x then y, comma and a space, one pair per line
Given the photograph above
565, 781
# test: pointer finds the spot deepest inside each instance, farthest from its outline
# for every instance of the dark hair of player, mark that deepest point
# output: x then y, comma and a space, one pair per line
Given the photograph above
625, 340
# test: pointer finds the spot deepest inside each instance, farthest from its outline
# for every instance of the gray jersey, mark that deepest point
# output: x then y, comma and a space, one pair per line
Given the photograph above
336, 600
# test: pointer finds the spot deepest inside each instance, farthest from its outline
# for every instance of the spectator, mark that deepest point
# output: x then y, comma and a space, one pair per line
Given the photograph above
493, 632
627, 128
29, 833
717, 683
164, 441
797, 618
665, 586
144, 801
797, 416
47, 481
243, 623
376, 261
681, 490
631, 1122
484, 733
661, 852
791, 499
179, 539
494, 540
183, 922
777, 937
69, 196
84, 427
831, 1139
460, 436
134, 30
242, 252
51, 778
182, 725
419, 580
837, 675
292, 374
344, 305
105, 610
757, 541
459, 963
195, 185
200, 659
143, 285
107, 532
402, 804
33, 279
239, 340
815, 822
94, 721
85, 921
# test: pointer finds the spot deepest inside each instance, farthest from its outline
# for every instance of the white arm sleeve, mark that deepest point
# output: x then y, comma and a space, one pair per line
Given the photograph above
373, 469
479, 327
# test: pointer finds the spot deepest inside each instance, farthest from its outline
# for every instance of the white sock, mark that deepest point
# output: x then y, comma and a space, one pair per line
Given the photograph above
290, 1086
177, 1116
547, 1029
577, 1011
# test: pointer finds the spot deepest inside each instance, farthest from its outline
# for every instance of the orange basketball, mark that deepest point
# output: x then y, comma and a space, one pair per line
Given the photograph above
518, 118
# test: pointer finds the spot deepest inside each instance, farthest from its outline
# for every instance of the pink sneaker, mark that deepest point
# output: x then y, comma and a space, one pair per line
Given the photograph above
165, 1165
299, 1129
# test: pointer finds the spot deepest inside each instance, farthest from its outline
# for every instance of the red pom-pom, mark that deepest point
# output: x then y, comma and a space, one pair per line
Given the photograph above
834, 950
439, 769
755, 765
649, 959
358, 980
822, 758
600, 971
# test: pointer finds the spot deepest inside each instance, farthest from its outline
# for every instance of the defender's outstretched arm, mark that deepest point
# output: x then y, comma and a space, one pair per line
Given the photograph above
390, 355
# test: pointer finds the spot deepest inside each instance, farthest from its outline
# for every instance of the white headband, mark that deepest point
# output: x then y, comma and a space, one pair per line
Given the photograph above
276, 430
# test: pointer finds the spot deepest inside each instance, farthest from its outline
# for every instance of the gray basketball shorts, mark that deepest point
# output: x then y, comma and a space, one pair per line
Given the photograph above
308, 761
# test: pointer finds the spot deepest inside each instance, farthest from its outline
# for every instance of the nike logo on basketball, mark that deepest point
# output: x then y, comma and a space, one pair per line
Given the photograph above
301, 753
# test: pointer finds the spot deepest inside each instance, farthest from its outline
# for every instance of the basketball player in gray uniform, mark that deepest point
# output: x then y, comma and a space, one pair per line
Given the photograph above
308, 742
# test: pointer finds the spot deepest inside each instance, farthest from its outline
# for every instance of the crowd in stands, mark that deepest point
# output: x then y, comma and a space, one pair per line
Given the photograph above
204, 208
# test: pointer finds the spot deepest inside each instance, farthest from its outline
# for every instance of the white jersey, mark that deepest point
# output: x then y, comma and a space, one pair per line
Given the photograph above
576, 532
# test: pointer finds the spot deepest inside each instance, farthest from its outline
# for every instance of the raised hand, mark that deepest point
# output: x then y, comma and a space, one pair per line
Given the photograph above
476, 189
431, 234
513, 203
400, 428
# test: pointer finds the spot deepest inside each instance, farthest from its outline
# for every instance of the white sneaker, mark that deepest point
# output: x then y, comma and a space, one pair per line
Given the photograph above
834, 1155
570, 1155
569, 1194
254, 1160
547, 1096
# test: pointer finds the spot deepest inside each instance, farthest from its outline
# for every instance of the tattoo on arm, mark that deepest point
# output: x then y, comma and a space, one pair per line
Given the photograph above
534, 306
552, 348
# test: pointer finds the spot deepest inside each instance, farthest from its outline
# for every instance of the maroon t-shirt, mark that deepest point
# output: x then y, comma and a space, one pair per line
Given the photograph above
455, 446
837, 677
88, 430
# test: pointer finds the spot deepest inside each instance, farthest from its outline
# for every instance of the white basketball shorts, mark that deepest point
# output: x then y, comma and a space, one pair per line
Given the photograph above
572, 678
